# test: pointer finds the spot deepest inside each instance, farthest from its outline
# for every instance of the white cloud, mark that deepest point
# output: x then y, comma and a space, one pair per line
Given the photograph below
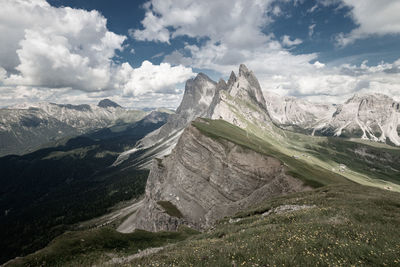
313, 8
66, 54
158, 55
210, 18
286, 41
373, 18
311, 30
56, 47
276, 11
339, 83
150, 79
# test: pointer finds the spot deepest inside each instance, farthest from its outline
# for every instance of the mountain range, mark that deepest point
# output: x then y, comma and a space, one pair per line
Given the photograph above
27, 127
232, 159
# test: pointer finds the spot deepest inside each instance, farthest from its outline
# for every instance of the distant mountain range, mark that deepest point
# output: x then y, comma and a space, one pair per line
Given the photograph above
27, 127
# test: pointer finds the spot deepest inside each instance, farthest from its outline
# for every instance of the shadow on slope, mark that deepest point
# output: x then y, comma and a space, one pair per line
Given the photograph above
43, 193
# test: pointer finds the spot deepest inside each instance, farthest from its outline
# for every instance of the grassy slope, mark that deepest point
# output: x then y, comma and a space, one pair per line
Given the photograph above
350, 225
46, 192
311, 174
381, 170
85, 248
324, 155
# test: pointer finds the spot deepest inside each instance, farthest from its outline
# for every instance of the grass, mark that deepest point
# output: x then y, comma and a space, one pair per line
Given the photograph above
170, 209
317, 159
350, 225
84, 248
311, 175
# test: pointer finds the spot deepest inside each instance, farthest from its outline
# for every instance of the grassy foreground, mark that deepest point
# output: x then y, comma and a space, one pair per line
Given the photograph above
350, 225
85, 248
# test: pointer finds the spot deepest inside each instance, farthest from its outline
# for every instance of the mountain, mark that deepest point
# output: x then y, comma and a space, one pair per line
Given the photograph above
241, 101
373, 117
107, 103
197, 97
24, 128
205, 179
297, 114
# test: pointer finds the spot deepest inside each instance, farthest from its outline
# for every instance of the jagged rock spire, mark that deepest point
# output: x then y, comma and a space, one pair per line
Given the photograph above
243, 70
197, 89
247, 82
232, 79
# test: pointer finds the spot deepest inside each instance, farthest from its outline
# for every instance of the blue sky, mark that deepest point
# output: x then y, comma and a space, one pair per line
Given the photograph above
140, 53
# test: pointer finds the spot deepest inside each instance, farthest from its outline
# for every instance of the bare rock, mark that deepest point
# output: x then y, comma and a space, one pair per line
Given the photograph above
207, 179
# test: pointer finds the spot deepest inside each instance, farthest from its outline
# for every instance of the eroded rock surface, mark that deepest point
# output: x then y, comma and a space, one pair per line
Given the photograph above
207, 179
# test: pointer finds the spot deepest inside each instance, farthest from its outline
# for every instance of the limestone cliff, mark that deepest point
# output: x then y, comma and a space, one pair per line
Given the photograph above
206, 179
199, 92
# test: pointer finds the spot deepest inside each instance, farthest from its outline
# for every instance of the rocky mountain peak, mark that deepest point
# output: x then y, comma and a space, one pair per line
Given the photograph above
221, 85
107, 103
202, 77
243, 70
232, 79
198, 94
247, 86
197, 98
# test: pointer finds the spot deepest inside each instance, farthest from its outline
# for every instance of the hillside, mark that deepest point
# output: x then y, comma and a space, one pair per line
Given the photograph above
338, 223
46, 192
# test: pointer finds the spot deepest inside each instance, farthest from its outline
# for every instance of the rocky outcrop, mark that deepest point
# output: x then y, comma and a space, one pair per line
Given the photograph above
241, 103
107, 103
198, 95
375, 117
293, 113
207, 179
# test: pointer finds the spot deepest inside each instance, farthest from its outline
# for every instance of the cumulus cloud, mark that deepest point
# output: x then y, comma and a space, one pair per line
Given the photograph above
54, 53
56, 47
149, 78
166, 19
373, 18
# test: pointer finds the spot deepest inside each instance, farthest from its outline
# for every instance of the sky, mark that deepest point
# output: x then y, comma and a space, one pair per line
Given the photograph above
140, 53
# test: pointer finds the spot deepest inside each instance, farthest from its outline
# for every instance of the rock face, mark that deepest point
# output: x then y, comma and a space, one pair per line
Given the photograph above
24, 128
198, 95
375, 117
199, 92
107, 103
241, 102
293, 113
207, 179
